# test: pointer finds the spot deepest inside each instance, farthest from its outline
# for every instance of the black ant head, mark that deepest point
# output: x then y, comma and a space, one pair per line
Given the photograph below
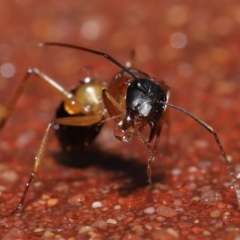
143, 105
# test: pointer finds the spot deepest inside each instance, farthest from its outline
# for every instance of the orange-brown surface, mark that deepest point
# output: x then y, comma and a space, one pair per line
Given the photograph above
195, 47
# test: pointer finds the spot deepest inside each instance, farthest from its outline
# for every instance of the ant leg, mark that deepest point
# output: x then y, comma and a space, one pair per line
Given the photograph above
112, 106
79, 120
224, 155
159, 129
153, 150
66, 96
73, 121
37, 162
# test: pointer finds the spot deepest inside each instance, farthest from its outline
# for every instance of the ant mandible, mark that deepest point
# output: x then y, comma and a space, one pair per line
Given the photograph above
133, 99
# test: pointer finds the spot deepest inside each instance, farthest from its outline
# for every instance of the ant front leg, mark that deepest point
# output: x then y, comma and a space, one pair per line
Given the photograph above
153, 150
219, 144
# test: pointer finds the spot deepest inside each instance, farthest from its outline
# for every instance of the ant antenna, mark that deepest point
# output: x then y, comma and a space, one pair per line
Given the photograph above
213, 132
108, 57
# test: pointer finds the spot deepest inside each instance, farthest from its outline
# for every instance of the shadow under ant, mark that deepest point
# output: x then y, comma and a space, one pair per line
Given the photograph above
94, 157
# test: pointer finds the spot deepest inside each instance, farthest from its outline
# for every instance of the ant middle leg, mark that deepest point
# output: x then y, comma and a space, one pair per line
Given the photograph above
70, 121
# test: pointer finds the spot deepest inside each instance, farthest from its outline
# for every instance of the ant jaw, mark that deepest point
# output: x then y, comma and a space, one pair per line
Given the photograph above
124, 135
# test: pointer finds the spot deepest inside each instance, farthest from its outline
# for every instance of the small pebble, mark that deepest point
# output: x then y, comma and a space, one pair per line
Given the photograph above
215, 214
206, 233
131, 237
77, 199
232, 229
45, 197
160, 219
226, 216
166, 211
148, 227
85, 229
219, 224
52, 202
96, 204
192, 169
176, 171
2, 188
111, 221
101, 224
149, 210
117, 207
48, 233
210, 197
195, 199
177, 202
9, 176
172, 232
38, 229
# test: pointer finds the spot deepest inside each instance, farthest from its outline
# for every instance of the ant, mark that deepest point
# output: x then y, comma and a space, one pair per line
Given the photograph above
133, 100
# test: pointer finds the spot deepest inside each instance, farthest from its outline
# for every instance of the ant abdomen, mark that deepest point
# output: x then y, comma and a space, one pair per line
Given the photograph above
74, 138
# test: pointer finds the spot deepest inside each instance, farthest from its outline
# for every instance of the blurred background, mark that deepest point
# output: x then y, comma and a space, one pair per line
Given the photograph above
193, 45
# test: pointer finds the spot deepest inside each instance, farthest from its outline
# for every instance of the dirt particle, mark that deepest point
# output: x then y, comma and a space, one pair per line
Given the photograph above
85, 229
111, 221
232, 229
117, 207
48, 233
131, 237
160, 219
172, 232
96, 204
166, 211
38, 230
162, 234
9, 176
52, 202
77, 199
45, 197
206, 233
177, 202
210, 197
215, 214
101, 224
149, 210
